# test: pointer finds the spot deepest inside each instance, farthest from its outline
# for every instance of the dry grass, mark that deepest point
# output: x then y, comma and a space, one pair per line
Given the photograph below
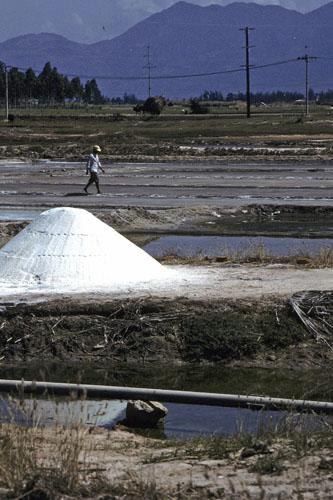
31, 461
323, 258
256, 254
18, 456
46, 463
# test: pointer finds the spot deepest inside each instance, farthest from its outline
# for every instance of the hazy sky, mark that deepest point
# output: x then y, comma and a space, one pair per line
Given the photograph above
90, 21
301, 5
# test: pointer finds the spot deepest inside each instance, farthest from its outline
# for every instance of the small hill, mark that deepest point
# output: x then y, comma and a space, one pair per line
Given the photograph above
36, 50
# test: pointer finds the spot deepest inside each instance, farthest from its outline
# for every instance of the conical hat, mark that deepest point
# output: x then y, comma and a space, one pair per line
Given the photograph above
69, 248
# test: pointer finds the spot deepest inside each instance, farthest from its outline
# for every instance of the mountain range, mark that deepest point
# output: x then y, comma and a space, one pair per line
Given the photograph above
88, 21
190, 39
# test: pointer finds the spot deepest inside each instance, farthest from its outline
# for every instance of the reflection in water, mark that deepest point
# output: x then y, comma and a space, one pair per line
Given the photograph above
216, 246
182, 420
64, 412
298, 384
18, 215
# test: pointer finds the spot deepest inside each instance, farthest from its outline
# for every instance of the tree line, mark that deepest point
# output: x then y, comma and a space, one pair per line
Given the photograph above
266, 97
49, 87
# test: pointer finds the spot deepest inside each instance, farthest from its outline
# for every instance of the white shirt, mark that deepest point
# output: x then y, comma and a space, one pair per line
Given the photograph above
93, 163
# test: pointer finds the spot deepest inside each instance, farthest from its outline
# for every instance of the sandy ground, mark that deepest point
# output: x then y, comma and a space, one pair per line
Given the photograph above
224, 478
130, 466
201, 283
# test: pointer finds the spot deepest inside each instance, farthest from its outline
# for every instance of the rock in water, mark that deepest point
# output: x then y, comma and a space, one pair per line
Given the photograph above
69, 249
144, 414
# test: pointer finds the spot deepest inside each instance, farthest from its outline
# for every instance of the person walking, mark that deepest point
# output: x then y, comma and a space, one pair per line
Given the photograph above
93, 166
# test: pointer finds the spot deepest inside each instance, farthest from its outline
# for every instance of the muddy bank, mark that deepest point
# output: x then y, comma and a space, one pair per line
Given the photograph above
255, 332
249, 219
10, 229
259, 220
135, 148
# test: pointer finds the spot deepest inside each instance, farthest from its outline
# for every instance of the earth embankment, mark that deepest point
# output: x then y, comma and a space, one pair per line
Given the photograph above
254, 332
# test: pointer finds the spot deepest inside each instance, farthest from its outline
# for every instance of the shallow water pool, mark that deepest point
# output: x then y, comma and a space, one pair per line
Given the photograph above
216, 246
182, 421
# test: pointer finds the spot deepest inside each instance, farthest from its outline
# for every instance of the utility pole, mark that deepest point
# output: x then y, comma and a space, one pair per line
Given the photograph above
306, 58
7, 100
149, 67
247, 68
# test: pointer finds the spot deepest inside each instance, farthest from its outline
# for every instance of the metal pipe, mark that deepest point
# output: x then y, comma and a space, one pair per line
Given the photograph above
183, 397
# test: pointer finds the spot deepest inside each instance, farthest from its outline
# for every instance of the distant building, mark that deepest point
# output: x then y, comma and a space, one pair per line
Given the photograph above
32, 102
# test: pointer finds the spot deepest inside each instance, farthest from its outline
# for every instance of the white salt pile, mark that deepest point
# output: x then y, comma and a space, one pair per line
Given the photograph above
68, 249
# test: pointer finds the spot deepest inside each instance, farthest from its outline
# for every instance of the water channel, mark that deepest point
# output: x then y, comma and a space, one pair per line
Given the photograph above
210, 246
183, 420
216, 246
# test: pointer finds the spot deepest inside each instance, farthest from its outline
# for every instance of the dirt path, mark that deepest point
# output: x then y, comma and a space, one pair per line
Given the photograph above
166, 185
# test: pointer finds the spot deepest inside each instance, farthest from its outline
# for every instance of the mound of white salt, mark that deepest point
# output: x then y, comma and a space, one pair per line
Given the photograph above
70, 249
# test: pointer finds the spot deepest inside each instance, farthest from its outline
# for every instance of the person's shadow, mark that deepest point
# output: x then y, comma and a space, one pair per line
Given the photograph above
75, 194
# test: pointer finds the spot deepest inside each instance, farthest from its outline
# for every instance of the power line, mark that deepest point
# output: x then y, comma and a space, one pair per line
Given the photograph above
140, 77
277, 63
166, 77
247, 69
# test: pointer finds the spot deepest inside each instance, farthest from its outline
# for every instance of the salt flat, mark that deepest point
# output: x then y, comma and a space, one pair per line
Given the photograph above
209, 283
172, 184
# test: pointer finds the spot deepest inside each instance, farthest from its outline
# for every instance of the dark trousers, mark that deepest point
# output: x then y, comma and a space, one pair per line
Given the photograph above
93, 179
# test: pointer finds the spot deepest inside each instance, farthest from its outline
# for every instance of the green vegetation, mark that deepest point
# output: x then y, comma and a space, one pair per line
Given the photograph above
49, 87
233, 334
258, 97
268, 97
268, 465
67, 132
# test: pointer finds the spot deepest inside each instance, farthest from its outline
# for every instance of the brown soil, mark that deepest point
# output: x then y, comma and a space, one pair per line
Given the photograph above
248, 332
21, 142
10, 229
